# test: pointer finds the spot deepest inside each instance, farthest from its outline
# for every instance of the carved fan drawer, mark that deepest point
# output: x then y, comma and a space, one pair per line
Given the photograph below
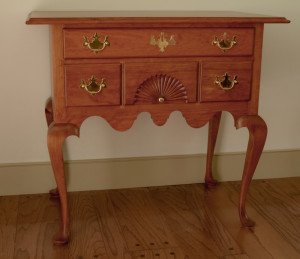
162, 42
223, 81
93, 84
161, 82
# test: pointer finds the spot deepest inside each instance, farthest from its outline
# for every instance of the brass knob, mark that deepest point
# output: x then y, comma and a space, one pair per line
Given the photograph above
161, 99
226, 84
224, 44
93, 88
96, 45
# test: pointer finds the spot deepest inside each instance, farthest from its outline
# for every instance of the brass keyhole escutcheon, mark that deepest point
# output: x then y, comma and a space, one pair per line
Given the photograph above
162, 42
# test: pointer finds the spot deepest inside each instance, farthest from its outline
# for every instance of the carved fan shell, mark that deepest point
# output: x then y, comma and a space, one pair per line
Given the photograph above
159, 89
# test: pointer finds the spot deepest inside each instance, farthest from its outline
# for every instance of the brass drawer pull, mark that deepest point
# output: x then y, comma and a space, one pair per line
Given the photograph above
93, 88
224, 44
162, 42
226, 84
161, 99
96, 45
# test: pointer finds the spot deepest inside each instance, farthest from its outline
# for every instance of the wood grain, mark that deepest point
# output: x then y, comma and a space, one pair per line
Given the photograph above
110, 95
261, 241
175, 18
57, 133
213, 129
115, 244
198, 223
190, 42
256, 69
196, 62
38, 220
210, 92
172, 253
281, 210
87, 241
240, 256
200, 230
8, 222
257, 137
141, 223
138, 72
196, 199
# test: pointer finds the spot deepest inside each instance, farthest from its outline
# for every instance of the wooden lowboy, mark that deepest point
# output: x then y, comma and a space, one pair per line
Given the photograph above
118, 64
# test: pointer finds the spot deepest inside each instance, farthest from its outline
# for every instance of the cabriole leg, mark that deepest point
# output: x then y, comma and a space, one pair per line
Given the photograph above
57, 133
257, 137
212, 138
49, 118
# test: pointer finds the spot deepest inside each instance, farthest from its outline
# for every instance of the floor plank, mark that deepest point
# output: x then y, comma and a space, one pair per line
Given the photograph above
160, 254
279, 207
240, 256
212, 225
38, 221
87, 239
184, 222
141, 223
261, 241
8, 222
180, 206
114, 242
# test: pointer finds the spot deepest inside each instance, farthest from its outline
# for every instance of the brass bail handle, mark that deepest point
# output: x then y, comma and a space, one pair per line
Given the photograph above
224, 44
226, 84
96, 45
93, 88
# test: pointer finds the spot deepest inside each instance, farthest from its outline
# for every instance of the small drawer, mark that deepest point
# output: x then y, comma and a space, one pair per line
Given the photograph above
161, 42
161, 82
224, 81
93, 84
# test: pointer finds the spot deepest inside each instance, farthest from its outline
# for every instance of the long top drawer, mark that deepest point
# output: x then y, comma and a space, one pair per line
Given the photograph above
161, 42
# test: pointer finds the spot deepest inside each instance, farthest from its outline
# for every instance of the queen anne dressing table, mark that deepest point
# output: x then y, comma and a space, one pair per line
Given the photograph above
118, 64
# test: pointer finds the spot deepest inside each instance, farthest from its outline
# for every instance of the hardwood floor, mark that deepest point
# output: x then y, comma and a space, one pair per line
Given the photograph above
186, 221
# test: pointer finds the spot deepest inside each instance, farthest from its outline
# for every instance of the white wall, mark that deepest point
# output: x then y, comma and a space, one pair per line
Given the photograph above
26, 81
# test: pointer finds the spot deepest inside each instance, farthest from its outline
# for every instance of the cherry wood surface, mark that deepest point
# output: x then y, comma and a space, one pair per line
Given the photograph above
8, 221
186, 222
57, 133
184, 72
190, 42
110, 95
257, 138
141, 77
266, 232
213, 129
210, 92
181, 18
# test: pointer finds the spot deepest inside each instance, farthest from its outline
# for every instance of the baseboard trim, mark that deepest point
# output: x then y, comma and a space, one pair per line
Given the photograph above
29, 178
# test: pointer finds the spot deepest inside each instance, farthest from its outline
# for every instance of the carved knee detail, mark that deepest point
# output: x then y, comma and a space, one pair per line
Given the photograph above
252, 122
49, 112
